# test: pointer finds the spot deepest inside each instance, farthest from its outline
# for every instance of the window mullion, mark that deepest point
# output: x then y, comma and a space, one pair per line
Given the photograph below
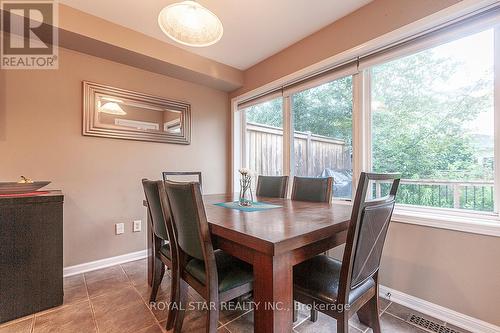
496, 117
357, 129
366, 130
287, 136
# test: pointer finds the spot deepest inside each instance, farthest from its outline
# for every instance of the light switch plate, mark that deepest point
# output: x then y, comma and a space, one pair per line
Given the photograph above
137, 226
119, 228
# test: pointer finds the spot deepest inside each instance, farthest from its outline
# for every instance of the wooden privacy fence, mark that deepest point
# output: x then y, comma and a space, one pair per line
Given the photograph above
312, 153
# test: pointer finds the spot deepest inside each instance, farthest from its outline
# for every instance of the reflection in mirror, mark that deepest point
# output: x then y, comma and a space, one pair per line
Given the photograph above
116, 111
135, 115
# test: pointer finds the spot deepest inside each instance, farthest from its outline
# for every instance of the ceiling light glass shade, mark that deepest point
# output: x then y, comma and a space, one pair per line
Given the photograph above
191, 24
112, 108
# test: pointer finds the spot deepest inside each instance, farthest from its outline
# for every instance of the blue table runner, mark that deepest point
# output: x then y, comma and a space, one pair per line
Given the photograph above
256, 206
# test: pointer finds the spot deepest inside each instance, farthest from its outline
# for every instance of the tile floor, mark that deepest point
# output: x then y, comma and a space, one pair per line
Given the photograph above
115, 299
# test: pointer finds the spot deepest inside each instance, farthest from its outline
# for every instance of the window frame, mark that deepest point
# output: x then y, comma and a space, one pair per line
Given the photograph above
288, 133
476, 222
410, 213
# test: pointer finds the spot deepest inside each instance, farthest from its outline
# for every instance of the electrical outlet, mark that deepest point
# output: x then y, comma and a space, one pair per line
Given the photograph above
137, 226
119, 228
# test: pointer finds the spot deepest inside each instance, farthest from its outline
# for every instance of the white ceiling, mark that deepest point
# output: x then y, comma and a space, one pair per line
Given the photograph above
253, 29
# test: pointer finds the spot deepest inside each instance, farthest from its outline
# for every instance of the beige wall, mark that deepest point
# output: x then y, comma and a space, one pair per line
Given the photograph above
40, 137
456, 270
368, 22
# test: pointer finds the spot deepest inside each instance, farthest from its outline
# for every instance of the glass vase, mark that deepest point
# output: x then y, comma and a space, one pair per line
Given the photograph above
246, 197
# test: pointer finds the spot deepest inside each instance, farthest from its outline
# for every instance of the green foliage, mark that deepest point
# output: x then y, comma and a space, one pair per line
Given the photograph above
269, 113
325, 110
420, 125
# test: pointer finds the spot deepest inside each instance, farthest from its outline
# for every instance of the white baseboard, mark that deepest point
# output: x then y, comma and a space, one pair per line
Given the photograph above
103, 263
439, 312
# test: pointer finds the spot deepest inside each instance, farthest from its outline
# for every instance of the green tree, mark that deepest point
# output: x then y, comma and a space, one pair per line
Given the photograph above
420, 123
419, 126
269, 113
325, 110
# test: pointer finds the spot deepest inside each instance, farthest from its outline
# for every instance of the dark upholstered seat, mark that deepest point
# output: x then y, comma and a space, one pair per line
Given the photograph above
165, 250
272, 186
231, 272
342, 289
312, 189
215, 275
320, 277
160, 224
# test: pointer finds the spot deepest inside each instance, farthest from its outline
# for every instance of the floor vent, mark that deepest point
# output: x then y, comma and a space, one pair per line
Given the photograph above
429, 325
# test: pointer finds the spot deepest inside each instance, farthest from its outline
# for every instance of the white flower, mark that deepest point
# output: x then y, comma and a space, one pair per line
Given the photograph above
244, 171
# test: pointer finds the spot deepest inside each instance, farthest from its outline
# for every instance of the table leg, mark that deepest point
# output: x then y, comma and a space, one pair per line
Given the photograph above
273, 293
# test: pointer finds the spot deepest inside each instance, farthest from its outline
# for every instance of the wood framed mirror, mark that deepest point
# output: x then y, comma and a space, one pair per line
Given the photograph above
123, 114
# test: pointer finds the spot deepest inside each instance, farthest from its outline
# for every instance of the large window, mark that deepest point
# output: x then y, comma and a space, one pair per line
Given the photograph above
432, 120
427, 108
322, 137
264, 137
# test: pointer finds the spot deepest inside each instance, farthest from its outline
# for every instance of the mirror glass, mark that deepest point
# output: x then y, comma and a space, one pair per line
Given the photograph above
139, 116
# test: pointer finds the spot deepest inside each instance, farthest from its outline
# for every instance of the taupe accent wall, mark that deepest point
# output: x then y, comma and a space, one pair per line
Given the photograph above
40, 137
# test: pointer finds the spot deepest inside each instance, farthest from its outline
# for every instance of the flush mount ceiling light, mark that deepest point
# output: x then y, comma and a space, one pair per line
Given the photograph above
191, 24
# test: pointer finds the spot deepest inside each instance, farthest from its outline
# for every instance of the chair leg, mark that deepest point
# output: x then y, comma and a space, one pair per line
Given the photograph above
314, 313
158, 273
369, 315
374, 315
174, 290
213, 317
343, 323
180, 303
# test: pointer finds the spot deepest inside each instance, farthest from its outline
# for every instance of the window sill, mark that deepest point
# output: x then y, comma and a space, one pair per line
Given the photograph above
488, 225
476, 225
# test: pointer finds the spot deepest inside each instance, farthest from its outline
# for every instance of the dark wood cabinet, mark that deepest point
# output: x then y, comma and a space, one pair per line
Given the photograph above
31, 254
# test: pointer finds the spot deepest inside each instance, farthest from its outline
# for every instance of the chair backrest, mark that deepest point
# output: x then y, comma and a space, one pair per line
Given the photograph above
156, 214
367, 231
317, 189
189, 218
175, 175
272, 186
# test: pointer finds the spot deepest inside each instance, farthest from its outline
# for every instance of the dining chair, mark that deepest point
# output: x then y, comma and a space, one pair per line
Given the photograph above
170, 175
272, 186
215, 275
159, 217
317, 189
341, 288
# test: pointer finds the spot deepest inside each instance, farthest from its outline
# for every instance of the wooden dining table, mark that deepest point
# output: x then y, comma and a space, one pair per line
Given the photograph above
273, 241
